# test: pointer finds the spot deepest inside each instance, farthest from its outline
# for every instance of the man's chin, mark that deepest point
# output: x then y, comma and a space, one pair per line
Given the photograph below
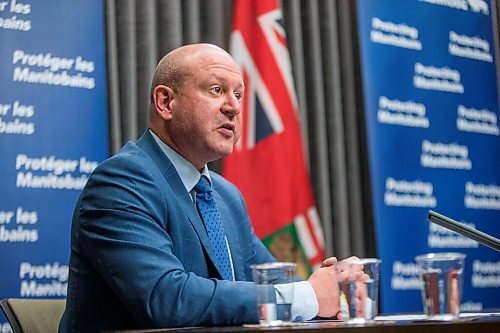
221, 152
227, 152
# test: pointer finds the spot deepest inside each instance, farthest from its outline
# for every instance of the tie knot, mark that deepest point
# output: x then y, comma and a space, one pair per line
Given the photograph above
203, 185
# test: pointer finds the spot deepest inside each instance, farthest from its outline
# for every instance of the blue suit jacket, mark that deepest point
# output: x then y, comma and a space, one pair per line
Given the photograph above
140, 256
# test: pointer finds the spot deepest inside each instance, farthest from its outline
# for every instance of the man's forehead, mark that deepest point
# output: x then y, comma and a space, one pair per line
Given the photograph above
218, 68
225, 74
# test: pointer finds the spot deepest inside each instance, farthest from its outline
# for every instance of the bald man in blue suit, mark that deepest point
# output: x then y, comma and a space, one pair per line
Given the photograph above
140, 254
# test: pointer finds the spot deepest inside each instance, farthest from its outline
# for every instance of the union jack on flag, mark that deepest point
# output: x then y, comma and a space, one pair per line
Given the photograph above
268, 163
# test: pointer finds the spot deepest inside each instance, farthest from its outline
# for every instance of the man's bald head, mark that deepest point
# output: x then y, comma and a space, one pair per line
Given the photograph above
196, 102
175, 67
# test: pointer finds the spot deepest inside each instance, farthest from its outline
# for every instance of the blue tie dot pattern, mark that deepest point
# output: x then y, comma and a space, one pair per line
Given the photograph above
213, 224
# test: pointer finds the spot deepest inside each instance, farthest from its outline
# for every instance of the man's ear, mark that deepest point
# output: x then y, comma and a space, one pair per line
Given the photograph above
163, 97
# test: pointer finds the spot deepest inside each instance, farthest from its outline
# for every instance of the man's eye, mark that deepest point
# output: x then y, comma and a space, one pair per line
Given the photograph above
216, 90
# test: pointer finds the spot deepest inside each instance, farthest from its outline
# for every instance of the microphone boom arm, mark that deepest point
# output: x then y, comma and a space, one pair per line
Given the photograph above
464, 229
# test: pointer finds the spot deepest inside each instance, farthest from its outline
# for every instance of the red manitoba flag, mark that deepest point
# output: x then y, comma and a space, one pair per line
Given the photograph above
268, 163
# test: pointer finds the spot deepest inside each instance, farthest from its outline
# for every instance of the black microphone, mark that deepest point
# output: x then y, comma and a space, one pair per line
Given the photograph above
464, 229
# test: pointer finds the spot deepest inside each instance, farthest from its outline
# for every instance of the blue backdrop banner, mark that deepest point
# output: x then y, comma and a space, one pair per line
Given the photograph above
53, 133
431, 107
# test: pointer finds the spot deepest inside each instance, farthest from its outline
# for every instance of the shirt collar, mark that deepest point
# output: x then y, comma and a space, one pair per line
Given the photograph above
187, 172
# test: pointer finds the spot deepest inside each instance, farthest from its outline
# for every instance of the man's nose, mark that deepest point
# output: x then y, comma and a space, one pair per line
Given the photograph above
232, 105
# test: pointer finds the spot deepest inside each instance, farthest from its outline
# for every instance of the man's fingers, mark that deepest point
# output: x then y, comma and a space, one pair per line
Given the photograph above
329, 262
351, 273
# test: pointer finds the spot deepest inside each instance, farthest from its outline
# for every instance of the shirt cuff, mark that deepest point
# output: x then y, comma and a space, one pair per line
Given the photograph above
305, 304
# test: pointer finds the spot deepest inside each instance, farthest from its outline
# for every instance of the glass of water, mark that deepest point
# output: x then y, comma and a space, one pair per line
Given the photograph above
441, 278
275, 292
358, 281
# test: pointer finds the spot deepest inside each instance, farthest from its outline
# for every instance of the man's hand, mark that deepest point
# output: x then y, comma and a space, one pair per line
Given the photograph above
325, 285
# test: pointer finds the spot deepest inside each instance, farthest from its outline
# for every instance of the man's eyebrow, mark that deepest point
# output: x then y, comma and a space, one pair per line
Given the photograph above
223, 79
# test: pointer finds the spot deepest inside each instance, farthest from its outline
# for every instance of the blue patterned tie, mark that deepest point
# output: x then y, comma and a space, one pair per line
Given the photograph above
213, 223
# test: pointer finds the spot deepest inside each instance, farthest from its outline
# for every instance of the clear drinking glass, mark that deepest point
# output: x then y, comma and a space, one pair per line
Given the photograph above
274, 303
441, 277
358, 281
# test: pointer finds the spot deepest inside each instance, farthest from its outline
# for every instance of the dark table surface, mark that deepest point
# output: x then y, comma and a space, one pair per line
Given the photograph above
387, 324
